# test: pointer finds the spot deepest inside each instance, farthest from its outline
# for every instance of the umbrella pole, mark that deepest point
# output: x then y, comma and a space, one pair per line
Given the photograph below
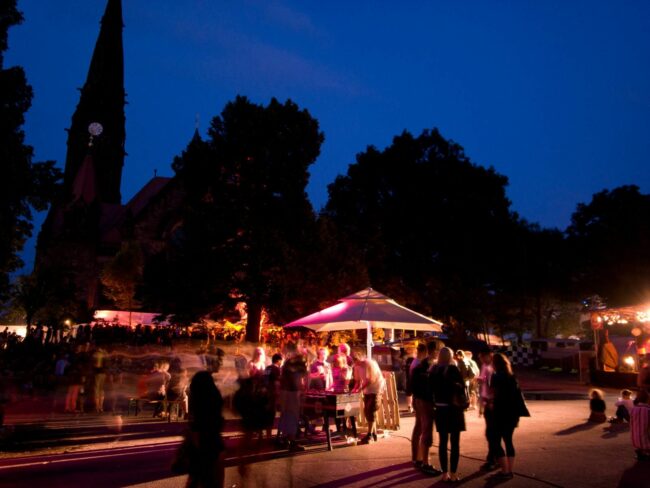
368, 339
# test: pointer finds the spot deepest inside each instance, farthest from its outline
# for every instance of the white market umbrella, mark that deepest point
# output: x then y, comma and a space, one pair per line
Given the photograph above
365, 310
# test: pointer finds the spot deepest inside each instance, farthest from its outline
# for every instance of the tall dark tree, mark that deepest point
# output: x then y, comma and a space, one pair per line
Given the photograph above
429, 224
610, 244
122, 276
46, 296
24, 185
247, 213
533, 295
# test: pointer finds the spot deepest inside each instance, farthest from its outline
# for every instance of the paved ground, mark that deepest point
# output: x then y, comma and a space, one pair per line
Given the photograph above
555, 448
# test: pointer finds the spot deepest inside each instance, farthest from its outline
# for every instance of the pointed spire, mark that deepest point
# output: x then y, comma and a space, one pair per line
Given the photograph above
102, 100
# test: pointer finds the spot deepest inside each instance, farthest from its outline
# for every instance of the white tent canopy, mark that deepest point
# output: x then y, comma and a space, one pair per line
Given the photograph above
365, 310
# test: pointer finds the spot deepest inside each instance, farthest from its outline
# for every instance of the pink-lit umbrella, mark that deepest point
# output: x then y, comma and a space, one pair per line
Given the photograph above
365, 310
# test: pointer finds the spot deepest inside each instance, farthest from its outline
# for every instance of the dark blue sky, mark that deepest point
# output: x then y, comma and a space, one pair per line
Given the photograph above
553, 94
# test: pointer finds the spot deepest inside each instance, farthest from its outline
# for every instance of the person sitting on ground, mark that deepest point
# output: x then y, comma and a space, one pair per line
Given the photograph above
624, 407
597, 406
640, 426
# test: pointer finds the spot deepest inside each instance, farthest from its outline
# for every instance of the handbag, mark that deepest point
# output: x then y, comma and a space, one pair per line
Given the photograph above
459, 397
183, 457
522, 408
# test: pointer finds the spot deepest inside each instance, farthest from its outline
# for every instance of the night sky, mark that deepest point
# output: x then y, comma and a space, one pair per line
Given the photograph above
554, 94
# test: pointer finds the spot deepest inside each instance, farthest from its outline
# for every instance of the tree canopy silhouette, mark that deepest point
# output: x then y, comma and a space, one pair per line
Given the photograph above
25, 185
430, 224
247, 218
609, 239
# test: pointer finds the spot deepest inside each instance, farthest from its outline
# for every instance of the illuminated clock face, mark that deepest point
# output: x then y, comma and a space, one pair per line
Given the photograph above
95, 129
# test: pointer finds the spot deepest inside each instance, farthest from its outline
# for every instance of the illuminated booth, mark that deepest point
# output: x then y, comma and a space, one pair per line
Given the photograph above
621, 338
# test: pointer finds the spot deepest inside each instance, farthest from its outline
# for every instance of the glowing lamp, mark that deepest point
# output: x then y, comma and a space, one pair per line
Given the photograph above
628, 361
636, 332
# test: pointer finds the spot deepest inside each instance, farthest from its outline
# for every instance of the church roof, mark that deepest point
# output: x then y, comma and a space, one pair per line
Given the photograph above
114, 215
141, 199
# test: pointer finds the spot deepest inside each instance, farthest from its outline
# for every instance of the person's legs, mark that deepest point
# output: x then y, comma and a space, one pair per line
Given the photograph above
417, 431
496, 449
426, 438
510, 449
490, 460
455, 452
370, 403
100, 379
442, 451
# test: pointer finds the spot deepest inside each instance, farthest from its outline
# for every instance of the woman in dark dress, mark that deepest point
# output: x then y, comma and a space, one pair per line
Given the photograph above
507, 406
446, 384
205, 423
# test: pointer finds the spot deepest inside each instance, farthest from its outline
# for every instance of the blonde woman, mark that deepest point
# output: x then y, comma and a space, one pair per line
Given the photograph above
257, 365
373, 386
447, 384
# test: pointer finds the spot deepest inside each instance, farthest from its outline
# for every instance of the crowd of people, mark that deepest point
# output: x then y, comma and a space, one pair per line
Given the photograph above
444, 384
282, 384
98, 370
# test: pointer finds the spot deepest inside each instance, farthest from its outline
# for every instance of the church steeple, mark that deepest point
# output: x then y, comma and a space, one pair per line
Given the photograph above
102, 100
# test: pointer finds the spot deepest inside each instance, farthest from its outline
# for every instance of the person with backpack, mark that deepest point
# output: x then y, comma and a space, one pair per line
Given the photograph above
462, 366
466, 371
451, 400
473, 382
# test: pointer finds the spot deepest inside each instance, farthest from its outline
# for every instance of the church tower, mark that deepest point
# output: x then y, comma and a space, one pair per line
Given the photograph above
72, 240
102, 102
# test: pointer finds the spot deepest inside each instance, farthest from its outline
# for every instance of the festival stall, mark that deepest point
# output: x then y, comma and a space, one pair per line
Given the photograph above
621, 338
368, 310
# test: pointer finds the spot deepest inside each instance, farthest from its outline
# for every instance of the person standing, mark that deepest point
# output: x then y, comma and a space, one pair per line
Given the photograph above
416, 383
99, 378
292, 384
373, 387
257, 365
407, 380
341, 375
506, 408
320, 371
447, 385
643, 378
423, 398
485, 397
473, 382
207, 468
640, 426
608, 353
